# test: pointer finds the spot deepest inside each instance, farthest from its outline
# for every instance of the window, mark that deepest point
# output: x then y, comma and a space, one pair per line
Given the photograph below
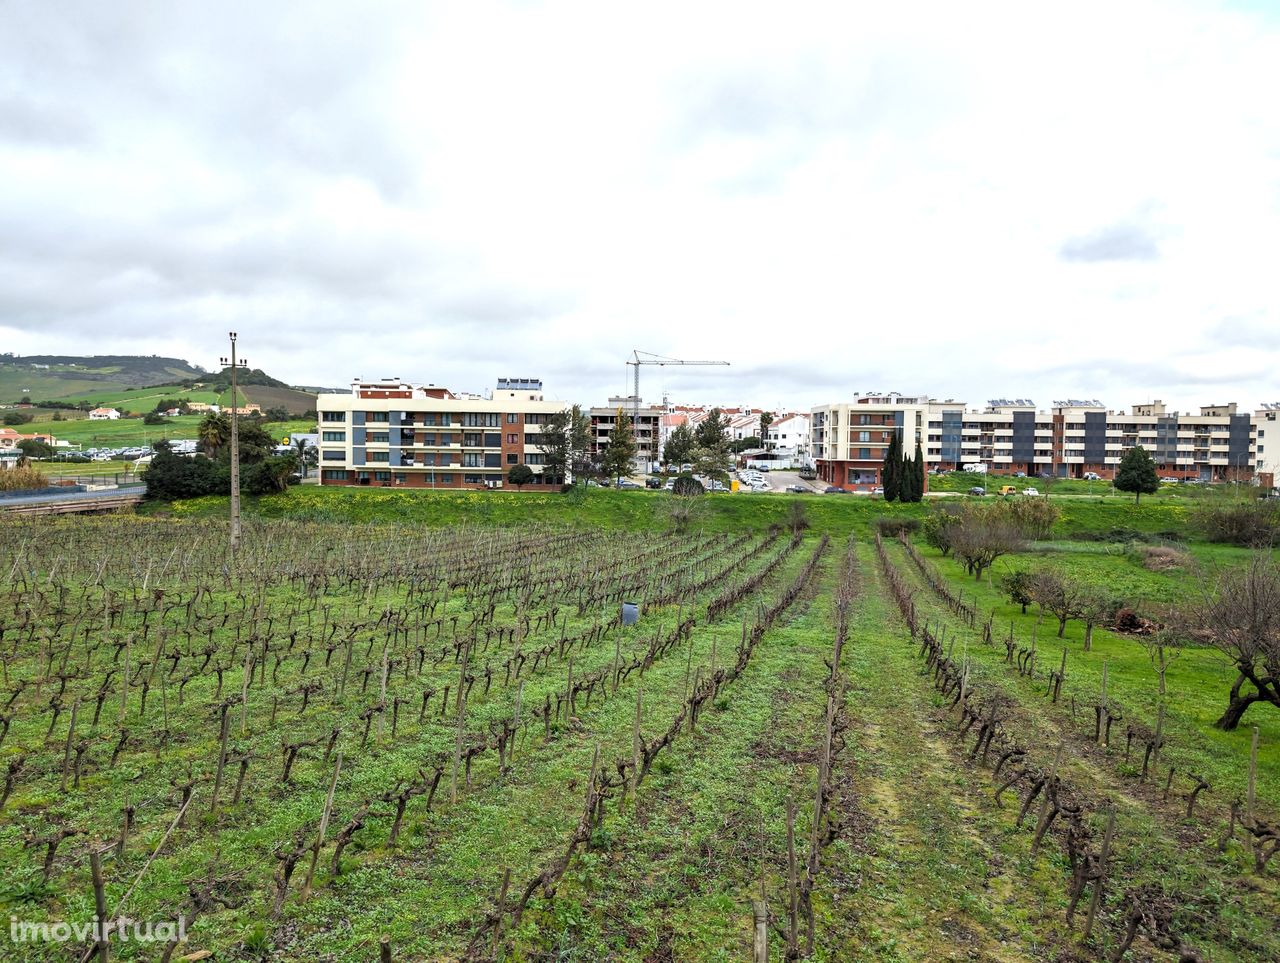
472, 479
493, 440
536, 419
379, 456
400, 478
445, 479
533, 439
446, 438
864, 436
864, 419
382, 476
511, 458
863, 453
535, 459
471, 459
513, 418
429, 438
332, 416
480, 419
328, 455
333, 436
376, 437
471, 439
513, 439
493, 460
333, 474
381, 417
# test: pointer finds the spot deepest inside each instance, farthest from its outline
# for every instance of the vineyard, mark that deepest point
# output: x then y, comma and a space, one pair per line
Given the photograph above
352, 742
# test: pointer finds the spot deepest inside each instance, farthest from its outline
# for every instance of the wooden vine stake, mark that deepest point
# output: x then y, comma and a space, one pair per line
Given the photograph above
760, 944
792, 883
462, 714
99, 904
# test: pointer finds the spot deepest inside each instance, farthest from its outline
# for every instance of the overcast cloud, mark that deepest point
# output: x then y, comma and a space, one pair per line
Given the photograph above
1007, 199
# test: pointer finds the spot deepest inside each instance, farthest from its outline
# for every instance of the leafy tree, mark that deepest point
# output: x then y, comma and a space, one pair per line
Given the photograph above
35, 448
1239, 614
712, 431
742, 444
276, 413
891, 472
1137, 474
1017, 585
268, 476
766, 421
520, 475
171, 476
16, 418
564, 442
620, 453
938, 527
154, 418
679, 447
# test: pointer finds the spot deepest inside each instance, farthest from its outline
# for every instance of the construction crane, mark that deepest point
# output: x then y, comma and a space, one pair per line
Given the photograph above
638, 358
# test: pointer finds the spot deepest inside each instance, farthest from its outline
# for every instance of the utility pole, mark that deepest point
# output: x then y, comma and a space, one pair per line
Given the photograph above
235, 444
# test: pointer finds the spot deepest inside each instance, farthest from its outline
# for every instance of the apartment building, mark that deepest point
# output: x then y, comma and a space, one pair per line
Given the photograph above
646, 426
1266, 421
393, 434
1073, 438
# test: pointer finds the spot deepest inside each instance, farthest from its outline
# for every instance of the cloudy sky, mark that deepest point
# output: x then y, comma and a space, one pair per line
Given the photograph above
973, 200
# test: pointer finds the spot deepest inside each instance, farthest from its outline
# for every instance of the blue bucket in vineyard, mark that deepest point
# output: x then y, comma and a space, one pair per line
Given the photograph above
630, 613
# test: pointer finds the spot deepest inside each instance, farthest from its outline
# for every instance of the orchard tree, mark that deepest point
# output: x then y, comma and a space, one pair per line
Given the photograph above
1240, 616
1137, 474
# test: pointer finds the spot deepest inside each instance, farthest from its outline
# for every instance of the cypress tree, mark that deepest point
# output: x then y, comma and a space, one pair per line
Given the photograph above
906, 480
891, 472
919, 472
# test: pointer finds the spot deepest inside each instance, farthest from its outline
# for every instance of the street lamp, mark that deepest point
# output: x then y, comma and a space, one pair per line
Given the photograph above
234, 365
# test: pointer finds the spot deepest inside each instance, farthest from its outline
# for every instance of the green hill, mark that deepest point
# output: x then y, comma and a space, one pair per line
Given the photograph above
50, 377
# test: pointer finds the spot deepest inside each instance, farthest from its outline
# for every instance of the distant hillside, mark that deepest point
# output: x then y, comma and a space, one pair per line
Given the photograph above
53, 377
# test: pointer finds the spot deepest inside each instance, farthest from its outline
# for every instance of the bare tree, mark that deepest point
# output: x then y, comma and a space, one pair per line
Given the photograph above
1056, 593
1239, 614
1165, 644
980, 539
1094, 605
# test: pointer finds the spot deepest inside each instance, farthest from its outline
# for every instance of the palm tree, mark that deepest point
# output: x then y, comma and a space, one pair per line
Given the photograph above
301, 445
214, 433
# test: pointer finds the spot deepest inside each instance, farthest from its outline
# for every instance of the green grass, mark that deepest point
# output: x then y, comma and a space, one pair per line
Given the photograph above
1072, 488
837, 515
132, 431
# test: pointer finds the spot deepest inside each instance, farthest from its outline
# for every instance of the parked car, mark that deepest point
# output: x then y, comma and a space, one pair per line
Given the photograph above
877, 490
1092, 476
1169, 481
653, 483
628, 483
833, 490
977, 490
1019, 474
798, 489
1031, 491
670, 485
1008, 490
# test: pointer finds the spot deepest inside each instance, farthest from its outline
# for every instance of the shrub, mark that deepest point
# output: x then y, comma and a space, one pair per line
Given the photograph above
1252, 524
797, 517
688, 486
894, 527
21, 479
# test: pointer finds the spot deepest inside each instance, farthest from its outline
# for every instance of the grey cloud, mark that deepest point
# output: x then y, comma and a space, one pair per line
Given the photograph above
1119, 242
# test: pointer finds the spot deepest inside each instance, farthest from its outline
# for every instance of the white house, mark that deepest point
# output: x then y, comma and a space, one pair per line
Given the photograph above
790, 433
103, 414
